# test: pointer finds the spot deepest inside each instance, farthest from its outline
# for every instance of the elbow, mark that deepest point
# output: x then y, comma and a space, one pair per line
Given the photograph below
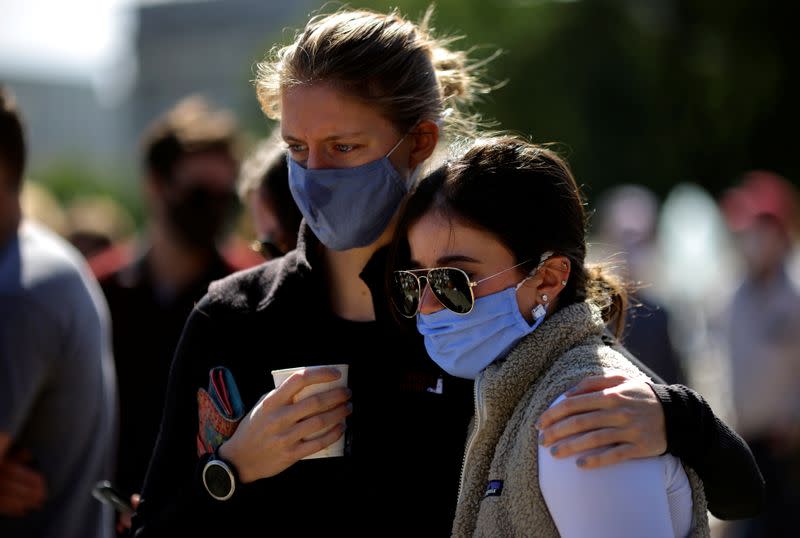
746, 503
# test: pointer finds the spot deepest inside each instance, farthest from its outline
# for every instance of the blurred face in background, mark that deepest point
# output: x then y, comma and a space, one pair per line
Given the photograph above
197, 204
273, 238
764, 246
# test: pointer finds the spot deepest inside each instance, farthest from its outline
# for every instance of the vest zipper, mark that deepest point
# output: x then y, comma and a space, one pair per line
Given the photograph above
479, 417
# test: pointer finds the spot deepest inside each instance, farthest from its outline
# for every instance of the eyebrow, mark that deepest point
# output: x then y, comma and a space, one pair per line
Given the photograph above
445, 260
337, 136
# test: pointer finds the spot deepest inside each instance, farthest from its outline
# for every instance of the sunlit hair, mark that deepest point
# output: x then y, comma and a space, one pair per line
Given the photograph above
384, 60
526, 196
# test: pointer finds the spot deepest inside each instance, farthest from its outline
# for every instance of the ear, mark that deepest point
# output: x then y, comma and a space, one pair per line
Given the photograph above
549, 280
425, 136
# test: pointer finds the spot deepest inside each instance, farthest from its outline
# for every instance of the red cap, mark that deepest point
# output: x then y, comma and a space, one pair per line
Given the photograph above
761, 194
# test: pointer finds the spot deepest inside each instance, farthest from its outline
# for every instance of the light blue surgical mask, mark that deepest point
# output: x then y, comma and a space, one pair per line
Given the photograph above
463, 345
349, 207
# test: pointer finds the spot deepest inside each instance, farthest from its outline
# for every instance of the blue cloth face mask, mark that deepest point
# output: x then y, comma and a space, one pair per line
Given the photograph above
348, 207
463, 345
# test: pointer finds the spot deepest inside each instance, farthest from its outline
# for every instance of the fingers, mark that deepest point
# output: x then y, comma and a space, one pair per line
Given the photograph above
604, 438
124, 523
616, 454
308, 447
296, 382
320, 422
597, 383
584, 424
315, 404
21, 489
574, 405
11, 506
24, 483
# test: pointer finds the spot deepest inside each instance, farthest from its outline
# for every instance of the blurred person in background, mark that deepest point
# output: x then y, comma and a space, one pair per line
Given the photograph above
95, 223
761, 332
625, 232
57, 389
190, 170
40, 205
264, 190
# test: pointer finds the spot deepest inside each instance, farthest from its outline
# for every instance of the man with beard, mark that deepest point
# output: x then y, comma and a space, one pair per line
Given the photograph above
190, 170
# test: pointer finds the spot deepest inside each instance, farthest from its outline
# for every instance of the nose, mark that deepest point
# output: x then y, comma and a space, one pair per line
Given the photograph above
428, 303
317, 159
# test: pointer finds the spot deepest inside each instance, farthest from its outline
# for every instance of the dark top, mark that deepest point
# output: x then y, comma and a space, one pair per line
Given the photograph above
647, 337
404, 446
147, 324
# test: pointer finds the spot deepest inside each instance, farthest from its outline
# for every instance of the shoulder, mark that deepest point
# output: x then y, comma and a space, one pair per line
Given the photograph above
49, 274
590, 358
252, 289
50, 266
593, 358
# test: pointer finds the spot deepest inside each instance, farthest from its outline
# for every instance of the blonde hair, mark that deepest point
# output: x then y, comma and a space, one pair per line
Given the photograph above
383, 59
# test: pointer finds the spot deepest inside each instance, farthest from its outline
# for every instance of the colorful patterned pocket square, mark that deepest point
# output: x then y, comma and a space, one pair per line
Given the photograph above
219, 410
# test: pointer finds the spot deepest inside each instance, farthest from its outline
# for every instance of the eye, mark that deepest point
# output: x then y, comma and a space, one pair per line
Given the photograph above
344, 148
296, 148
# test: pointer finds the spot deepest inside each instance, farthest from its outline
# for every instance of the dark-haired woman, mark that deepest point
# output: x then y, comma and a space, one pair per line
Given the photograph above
502, 295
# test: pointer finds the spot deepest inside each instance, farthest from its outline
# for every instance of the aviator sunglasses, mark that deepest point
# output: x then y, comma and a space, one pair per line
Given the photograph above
451, 287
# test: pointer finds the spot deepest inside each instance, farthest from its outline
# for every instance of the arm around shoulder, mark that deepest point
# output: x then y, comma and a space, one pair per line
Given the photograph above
628, 499
733, 483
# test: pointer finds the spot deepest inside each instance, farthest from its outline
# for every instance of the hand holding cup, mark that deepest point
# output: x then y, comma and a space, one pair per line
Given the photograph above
290, 423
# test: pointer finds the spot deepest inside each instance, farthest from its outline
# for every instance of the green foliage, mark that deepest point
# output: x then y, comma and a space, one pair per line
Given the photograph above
68, 180
640, 91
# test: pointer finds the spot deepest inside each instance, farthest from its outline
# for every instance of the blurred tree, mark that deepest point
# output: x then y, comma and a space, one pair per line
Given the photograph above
640, 91
69, 180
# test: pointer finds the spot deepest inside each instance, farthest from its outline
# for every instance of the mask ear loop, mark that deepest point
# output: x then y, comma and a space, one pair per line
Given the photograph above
412, 178
540, 311
546, 256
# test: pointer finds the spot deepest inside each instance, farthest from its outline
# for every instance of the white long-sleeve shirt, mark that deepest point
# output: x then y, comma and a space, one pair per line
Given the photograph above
642, 497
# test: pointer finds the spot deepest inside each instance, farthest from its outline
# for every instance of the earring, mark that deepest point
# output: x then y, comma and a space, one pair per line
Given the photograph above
563, 282
545, 298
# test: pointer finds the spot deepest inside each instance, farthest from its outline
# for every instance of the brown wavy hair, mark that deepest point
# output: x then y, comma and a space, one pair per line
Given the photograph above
526, 196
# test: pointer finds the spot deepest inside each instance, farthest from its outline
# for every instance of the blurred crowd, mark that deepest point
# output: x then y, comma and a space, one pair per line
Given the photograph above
717, 305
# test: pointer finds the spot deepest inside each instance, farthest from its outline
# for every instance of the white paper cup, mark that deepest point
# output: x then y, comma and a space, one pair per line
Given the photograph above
279, 376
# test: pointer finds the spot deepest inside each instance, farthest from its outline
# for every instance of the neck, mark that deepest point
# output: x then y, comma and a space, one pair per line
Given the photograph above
349, 296
174, 265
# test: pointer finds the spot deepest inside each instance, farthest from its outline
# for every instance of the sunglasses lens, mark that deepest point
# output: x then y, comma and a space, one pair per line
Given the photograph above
405, 293
452, 288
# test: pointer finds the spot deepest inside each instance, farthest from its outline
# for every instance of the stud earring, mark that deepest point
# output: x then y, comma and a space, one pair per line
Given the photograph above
563, 282
545, 298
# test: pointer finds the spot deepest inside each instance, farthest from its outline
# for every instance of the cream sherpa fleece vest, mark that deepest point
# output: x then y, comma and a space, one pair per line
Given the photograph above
516, 391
